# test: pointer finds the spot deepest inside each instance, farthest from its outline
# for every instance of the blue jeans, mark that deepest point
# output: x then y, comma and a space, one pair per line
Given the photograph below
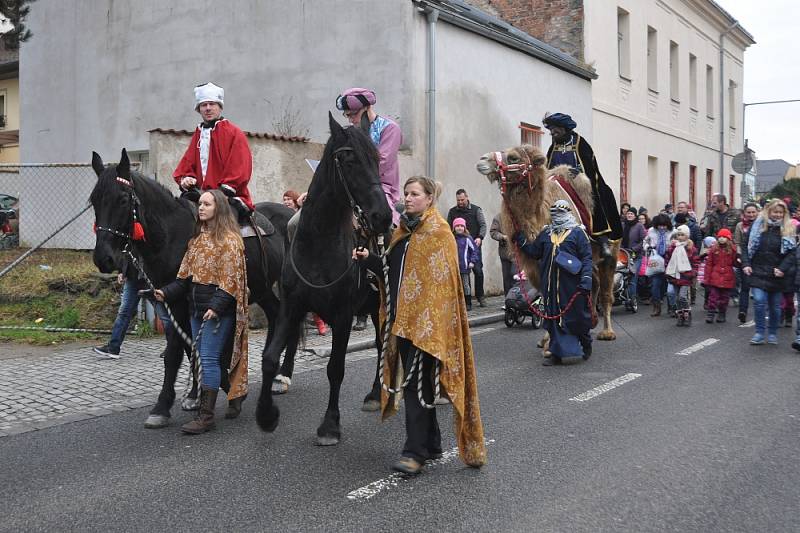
127, 308
766, 303
744, 291
212, 342
657, 287
634, 285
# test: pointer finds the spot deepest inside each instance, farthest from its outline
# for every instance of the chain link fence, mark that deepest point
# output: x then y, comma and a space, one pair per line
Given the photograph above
47, 195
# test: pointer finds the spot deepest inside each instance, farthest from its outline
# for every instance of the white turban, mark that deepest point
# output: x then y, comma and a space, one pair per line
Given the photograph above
208, 93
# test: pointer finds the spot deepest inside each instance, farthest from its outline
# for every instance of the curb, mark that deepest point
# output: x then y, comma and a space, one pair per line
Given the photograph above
365, 344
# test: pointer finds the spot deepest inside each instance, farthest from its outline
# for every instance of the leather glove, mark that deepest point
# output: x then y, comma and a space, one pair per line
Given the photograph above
239, 206
228, 191
193, 195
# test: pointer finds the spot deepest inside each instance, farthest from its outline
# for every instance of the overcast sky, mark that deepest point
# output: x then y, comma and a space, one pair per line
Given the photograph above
771, 72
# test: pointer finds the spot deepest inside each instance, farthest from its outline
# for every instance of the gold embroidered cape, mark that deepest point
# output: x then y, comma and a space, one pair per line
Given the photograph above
431, 313
223, 264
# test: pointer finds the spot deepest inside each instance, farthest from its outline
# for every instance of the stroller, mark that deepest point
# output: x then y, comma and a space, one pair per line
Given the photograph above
517, 306
623, 276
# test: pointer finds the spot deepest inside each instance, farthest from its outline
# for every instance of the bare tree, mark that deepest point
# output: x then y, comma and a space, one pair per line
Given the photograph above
286, 119
15, 11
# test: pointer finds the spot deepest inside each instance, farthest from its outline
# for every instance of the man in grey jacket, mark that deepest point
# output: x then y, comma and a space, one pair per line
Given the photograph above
476, 225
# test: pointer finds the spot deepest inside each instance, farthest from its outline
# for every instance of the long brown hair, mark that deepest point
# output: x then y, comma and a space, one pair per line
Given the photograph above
224, 222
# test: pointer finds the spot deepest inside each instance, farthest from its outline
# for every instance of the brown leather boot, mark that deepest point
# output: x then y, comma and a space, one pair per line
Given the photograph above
234, 407
656, 309
205, 416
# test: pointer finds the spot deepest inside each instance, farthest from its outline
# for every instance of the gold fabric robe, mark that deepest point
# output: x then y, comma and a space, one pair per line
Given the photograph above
431, 313
223, 264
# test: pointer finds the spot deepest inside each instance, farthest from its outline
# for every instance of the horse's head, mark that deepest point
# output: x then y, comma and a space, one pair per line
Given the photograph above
514, 166
113, 202
352, 161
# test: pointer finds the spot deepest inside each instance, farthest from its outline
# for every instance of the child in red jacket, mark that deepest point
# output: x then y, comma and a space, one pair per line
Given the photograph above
682, 262
720, 276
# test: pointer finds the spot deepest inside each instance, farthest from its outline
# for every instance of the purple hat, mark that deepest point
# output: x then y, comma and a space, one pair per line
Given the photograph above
354, 99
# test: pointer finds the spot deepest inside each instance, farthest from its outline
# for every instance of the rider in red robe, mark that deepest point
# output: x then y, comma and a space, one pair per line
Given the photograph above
218, 156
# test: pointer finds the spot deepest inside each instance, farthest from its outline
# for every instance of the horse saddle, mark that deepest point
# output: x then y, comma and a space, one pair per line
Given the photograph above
256, 222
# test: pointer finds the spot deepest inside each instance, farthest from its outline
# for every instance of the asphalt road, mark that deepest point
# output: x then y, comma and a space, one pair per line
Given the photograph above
706, 441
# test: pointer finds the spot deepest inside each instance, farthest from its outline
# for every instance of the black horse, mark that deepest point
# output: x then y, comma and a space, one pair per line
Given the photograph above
122, 197
319, 273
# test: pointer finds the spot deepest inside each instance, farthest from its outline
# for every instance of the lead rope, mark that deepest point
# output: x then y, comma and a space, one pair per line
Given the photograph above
416, 366
196, 367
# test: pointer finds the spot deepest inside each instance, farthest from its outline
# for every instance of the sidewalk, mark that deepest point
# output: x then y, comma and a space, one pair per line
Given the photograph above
73, 384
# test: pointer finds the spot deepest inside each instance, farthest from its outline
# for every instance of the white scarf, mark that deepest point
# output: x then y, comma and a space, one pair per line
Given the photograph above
679, 262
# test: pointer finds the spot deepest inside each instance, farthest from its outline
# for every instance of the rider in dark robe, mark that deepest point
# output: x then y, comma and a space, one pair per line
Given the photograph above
565, 271
569, 148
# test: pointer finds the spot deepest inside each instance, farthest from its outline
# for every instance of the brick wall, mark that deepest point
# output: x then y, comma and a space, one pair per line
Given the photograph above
558, 23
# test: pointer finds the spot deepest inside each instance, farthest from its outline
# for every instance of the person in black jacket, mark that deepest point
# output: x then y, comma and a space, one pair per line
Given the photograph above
213, 274
476, 226
770, 264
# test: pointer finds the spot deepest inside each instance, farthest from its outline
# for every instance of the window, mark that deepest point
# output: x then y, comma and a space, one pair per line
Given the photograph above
652, 59
709, 91
673, 182
731, 189
530, 134
624, 165
709, 184
693, 187
692, 82
732, 105
143, 158
674, 72
623, 43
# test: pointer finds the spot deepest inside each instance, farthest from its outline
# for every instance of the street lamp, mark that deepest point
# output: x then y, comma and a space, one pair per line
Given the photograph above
745, 106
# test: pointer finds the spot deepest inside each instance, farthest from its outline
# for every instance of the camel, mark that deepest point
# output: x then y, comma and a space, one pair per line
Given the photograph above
529, 189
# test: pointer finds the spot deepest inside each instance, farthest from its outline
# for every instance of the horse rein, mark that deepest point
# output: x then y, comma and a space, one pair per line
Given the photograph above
134, 203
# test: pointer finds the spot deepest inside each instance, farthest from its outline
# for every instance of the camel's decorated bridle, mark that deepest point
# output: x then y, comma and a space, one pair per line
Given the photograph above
520, 172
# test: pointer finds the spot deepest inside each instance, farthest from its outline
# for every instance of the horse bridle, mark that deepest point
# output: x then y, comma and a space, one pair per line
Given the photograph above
134, 201
357, 212
521, 171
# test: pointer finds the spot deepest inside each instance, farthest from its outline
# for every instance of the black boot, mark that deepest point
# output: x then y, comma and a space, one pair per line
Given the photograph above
235, 407
720, 316
687, 317
710, 316
469, 302
681, 320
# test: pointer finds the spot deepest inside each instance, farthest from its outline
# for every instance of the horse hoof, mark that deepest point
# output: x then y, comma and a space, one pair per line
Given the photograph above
327, 440
280, 385
371, 405
156, 422
190, 404
606, 335
268, 420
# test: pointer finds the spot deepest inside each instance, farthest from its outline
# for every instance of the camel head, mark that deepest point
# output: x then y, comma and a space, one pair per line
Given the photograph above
513, 164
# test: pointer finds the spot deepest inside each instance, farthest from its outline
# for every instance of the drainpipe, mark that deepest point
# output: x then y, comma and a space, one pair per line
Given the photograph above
432, 15
722, 107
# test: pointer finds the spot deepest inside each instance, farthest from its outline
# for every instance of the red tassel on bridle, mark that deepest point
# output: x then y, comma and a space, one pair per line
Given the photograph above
138, 232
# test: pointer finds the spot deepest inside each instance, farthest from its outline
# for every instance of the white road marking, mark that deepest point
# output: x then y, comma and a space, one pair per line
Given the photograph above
597, 391
748, 324
696, 347
376, 487
482, 330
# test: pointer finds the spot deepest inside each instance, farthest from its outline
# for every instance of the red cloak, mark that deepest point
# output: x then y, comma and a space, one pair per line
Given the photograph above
229, 161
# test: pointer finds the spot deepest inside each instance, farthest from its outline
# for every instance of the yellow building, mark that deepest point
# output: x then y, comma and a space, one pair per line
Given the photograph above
9, 105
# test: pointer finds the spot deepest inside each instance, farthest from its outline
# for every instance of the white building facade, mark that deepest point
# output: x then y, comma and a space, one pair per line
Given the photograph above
667, 106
